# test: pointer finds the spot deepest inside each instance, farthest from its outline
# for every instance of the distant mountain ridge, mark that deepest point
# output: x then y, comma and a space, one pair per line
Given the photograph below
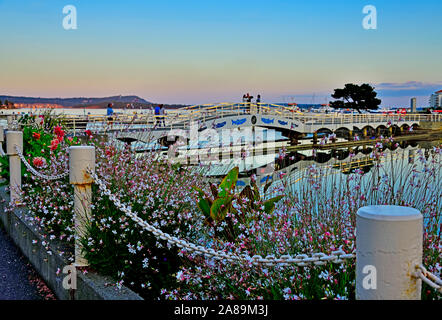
77, 102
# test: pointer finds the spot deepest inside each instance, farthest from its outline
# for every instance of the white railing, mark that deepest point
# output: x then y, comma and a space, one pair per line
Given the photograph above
182, 117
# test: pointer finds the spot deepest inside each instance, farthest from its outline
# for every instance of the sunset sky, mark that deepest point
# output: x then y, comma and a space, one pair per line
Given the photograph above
214, 51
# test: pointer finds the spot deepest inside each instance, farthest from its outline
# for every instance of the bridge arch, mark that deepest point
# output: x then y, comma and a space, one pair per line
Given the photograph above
382, 131
343, 132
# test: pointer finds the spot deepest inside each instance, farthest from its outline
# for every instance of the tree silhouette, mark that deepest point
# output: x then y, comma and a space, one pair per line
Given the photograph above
358, 97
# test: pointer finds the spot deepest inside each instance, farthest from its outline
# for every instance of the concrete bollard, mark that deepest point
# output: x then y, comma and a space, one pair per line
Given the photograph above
2, 140
81, 158
10, 120
14, 138
388, 247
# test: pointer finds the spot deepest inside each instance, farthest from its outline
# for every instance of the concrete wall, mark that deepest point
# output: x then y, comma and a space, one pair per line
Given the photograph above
90, 286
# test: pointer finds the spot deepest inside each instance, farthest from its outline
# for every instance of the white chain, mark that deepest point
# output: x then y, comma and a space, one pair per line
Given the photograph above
429, 278
35, 172
300, 259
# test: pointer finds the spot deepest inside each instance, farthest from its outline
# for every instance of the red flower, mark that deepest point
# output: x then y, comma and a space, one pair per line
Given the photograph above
36, 135
59, 132
54, 144
39, 162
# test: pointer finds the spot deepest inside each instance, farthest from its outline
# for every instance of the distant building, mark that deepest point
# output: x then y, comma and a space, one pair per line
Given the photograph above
436, 100
37, 106
413, 106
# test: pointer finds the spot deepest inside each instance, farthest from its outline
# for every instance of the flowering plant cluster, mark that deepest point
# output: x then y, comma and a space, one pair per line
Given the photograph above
314, 214
318, 215
161, 194
45, 147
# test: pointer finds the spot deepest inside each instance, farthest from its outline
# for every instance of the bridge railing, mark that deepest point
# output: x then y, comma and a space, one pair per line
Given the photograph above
202, 113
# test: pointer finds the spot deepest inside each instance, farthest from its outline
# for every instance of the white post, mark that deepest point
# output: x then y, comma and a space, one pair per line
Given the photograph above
2, 137
388, 248
14, 138
81, 158
10, 120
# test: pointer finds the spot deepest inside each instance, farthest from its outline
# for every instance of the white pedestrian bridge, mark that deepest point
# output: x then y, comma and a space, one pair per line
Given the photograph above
230, 116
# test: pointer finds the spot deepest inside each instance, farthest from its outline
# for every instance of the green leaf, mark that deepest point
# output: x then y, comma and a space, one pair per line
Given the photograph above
204, 206
268, 184
200, 192
220, 208
214, 190
256, 191
228, 183
247, 193
269, 205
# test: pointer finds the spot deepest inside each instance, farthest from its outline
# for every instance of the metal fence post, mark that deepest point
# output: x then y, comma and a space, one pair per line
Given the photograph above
81, 158
14, 138
388, 248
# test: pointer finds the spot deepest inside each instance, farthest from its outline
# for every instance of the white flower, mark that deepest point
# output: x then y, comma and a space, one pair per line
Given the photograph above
145, 263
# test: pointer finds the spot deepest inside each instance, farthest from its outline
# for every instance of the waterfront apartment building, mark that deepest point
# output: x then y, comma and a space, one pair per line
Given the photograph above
436, 100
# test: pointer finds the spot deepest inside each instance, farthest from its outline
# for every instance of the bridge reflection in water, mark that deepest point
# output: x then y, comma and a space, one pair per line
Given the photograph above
291, 166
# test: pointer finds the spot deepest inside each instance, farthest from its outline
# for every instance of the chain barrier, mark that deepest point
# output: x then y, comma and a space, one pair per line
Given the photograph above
429, 278
35, 172
301, 260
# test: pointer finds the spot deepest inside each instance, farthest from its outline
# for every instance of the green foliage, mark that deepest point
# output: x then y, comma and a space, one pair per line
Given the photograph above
218, 207
4, 170
356, 97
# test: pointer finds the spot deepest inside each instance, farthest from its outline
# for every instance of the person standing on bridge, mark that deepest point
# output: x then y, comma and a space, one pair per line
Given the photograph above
162, 112
258, 102
157, 115
244, 100
110, 113
249, 101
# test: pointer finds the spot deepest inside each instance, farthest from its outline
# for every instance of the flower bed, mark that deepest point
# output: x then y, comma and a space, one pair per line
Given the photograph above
316, 214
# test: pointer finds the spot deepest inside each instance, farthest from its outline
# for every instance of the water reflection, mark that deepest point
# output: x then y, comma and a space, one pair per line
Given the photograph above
289, 165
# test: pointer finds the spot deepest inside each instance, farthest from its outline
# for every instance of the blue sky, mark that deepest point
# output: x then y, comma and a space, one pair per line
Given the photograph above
211, 51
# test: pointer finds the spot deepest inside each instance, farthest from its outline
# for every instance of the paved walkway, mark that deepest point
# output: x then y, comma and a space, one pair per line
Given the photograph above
14, 273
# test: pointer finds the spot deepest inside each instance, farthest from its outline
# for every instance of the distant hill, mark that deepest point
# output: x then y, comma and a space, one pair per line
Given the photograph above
78, 102
120, 102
